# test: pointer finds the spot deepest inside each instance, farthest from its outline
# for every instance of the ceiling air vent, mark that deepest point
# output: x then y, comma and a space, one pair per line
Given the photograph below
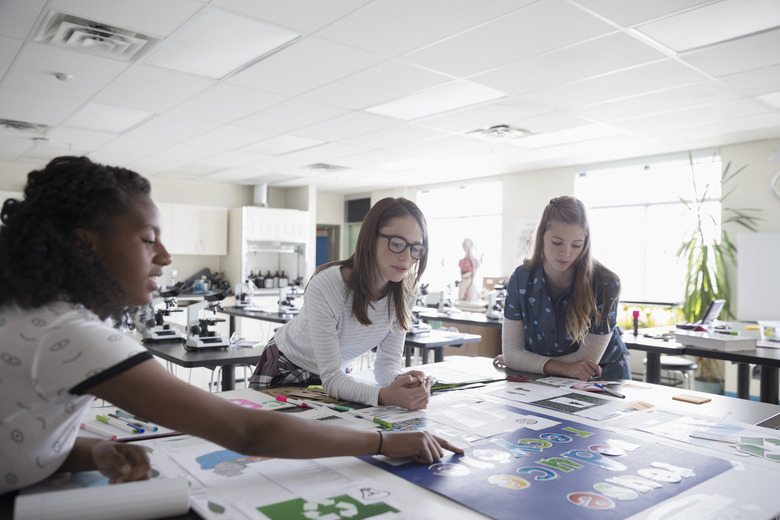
99, 39
23, 126
499, 133
326, 167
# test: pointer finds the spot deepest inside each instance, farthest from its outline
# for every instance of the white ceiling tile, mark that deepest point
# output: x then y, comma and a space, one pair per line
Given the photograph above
302, 16
432, 147
34, 73
772, 99
738, 56
631, 13
393, 136
9, 48
35, 108
632, 82
129, 146
78, 138
393, 27
602, 55
233, 159
282, 144
289, 115
704, 93
230, 137
346, 126
693, 116
541, 27
149, 88
367, 159
713, 23
194, 170
224, 103
756, 81
384, 82
17, 18
172, 129
305, 65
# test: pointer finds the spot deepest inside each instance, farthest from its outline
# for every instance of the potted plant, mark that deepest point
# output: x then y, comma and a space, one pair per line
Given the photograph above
705, 254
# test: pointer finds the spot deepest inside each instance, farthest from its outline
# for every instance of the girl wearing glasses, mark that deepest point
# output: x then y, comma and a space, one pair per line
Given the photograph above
561, 304
354, 305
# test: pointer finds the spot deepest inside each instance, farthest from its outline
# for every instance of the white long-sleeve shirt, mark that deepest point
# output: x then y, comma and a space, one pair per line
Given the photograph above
325, 338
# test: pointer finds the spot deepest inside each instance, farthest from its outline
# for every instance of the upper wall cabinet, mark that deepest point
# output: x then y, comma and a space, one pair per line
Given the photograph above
275, 225
194, 230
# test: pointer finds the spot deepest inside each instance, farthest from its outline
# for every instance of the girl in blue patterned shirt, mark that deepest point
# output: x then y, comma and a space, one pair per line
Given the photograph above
561, 304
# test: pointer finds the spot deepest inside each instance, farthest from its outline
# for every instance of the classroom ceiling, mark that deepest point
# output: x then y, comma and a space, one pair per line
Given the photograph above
362, 95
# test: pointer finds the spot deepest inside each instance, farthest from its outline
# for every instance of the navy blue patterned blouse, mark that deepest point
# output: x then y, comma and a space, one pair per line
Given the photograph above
544, 322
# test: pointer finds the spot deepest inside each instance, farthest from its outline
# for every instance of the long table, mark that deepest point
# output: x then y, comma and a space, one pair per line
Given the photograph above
741, 490
767, 358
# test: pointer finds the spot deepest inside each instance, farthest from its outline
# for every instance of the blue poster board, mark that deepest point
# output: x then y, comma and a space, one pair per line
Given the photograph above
562, 470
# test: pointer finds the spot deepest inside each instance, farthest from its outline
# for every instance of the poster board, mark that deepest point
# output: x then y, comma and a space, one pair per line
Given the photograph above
758, 276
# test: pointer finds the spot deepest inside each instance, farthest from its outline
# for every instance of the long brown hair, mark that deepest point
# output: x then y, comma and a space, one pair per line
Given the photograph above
588, 272
363, 262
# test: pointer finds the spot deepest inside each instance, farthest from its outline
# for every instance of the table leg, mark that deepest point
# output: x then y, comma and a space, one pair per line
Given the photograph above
438, 354
408, 349
769, 384
232, 325
653, 368
228, 378
743, 380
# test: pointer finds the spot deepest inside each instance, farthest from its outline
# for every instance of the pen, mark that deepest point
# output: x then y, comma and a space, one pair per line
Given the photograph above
119, 424
610, 391
98, 431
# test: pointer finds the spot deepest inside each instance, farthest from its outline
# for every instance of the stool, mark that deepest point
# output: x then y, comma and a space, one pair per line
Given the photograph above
680, 364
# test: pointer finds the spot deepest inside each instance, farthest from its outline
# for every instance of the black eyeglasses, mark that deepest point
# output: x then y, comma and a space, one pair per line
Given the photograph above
399, 245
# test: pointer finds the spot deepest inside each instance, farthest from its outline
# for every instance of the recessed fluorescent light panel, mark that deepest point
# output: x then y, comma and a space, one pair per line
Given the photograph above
450, 96
217, 43
104, 118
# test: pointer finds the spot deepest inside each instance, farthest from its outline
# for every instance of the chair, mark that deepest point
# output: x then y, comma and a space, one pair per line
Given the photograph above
685, 366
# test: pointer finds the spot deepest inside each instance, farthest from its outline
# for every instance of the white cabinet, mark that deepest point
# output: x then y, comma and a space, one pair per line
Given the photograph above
194, 230
275, 225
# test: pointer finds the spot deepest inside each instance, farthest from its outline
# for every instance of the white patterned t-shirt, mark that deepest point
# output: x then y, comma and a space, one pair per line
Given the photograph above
50, 357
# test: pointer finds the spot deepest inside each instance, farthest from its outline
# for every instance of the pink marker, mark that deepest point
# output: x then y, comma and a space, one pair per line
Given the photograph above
302, 404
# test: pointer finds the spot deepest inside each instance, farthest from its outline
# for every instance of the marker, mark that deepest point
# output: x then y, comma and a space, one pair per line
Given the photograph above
338, 407
126, 415
137, 425
296, 402
119, 424
610, 391
729, 332
380, 422
98, 431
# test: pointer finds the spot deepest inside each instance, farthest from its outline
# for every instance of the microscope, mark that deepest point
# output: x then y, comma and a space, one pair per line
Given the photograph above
287, 297
497, 297
199, 337
162, 331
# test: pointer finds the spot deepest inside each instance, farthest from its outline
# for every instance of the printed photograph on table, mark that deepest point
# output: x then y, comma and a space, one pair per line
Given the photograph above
565, 470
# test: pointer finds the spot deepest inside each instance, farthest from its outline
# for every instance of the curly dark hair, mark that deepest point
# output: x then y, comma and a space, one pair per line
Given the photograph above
43, 257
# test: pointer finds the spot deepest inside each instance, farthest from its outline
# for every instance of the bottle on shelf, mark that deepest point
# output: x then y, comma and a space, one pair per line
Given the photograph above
270, 282
283, 280
259, 280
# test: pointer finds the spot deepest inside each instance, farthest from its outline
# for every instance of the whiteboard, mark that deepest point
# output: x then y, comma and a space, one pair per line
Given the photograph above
758, 276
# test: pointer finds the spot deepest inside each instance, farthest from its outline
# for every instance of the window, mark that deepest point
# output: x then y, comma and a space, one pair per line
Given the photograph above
455, 213
638, 221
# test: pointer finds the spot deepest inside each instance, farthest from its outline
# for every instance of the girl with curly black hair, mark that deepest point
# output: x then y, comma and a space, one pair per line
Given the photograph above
81, 246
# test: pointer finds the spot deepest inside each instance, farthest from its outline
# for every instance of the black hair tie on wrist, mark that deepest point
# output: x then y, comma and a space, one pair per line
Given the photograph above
379, 449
